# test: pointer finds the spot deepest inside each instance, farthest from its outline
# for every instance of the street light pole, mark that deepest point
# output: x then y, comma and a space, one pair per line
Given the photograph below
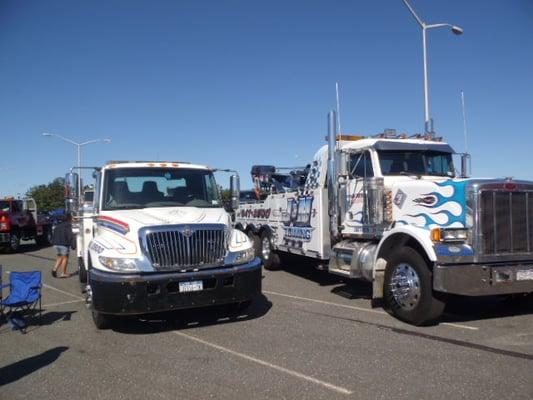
79, 169
79, 146
428, 121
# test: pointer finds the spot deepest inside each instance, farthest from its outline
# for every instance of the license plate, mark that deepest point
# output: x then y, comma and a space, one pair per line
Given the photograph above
524, 275
192, 286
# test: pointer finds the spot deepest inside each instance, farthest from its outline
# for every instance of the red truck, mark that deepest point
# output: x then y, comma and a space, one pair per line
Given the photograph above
19, 221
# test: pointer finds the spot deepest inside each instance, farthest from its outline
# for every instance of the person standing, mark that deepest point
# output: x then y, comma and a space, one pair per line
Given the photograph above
63, 240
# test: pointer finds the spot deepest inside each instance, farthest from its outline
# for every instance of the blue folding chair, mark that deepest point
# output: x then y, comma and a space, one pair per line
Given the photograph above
24, 294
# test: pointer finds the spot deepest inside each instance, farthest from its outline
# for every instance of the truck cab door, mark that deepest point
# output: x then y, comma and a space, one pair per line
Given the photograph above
359, 169
16, 212
30, 206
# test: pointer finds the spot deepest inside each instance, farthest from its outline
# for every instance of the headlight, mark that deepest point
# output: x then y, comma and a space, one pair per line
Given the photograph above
244, 256
240, 257
449, 235
241, 250
119, 264
4, 226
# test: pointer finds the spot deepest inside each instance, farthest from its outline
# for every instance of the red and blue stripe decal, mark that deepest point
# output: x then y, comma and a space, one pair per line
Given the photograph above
113, 224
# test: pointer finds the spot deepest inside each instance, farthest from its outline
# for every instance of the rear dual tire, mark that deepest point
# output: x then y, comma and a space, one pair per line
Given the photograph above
270, 258
256, 243
263, 248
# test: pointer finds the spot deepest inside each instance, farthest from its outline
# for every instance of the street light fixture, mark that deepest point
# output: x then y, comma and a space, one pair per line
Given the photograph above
79, 146
457, 30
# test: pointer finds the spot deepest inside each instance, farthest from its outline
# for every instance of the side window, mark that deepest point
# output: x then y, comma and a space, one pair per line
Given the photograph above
96, 196
361, 165
16, 207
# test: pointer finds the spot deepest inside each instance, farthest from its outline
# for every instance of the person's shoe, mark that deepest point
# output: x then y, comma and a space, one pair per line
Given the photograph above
54, 273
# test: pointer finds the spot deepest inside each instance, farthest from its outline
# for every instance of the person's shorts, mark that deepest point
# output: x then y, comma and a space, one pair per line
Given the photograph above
62, 250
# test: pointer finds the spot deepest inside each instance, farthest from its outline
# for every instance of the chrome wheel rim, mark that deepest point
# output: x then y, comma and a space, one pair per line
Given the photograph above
14, 242
265, 248
405, 286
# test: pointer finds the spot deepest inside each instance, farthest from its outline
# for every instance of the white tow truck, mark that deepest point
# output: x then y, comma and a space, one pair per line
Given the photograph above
157, 238
391, 210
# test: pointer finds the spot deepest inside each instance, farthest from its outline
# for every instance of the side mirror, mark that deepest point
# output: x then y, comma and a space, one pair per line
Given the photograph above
465, 165
234, 188
72, 192
344, 164
88, 208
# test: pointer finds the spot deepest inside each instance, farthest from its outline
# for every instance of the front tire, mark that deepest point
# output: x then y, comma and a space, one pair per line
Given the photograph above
270, 259
408, 290
101, 321
46, 238
14, 242
238, 308
82, 272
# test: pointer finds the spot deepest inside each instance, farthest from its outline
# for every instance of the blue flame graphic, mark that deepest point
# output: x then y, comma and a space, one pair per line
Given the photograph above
457, 196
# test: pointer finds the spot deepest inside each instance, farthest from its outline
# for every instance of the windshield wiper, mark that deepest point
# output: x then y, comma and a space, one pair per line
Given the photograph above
447, 174
129, 207
406, 173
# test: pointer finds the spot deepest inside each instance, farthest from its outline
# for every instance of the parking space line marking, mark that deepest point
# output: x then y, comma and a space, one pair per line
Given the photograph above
61, 303
308, 378
62, 291
473, 328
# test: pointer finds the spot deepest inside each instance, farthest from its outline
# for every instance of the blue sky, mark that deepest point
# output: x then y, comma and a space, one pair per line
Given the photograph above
236, 83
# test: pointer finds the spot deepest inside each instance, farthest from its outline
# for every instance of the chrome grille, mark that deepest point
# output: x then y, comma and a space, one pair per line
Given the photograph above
185, 247
506, 221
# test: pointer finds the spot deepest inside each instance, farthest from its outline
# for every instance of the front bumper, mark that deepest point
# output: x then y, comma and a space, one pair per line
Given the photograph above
5, 237
147, 293
483, 279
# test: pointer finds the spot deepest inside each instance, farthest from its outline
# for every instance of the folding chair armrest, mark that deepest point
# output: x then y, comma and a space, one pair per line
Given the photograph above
5, 285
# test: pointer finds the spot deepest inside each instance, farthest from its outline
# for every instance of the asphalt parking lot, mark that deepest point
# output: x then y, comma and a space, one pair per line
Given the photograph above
311, 336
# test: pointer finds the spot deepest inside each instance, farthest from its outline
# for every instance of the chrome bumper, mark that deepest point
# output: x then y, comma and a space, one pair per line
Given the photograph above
483, 279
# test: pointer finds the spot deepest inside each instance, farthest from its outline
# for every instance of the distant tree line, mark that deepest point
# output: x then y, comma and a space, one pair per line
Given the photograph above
225, 195
50, 196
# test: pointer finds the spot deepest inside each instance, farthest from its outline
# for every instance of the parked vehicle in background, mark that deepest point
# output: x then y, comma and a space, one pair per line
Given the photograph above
247, 196
88, 196
19, 220
390, 209
157, 238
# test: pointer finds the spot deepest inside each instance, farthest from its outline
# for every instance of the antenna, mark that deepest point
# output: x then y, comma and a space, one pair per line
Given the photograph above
338, 109
464, 120
465, 157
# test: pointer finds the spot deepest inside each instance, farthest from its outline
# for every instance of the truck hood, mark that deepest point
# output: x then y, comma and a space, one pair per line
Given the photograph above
430, 203
444, 202
169, 216
117, 232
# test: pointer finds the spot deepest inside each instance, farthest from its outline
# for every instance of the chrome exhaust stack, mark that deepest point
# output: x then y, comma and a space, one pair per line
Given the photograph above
333, 190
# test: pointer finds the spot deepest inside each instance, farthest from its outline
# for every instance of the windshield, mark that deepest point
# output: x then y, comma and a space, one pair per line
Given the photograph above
4, 205
88, 196
402, 162
129, 188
